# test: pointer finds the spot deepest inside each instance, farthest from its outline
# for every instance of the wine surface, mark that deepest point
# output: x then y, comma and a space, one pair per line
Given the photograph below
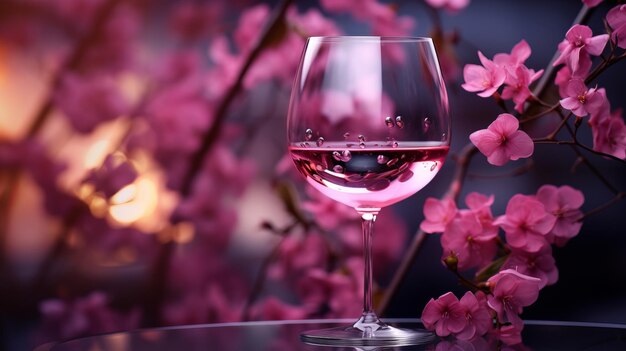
367, 176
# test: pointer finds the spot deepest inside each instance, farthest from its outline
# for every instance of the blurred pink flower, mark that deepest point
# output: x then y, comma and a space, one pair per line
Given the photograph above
212, 304
114, 244
298, 254
468, 241
445, 315
578, 45
526, 223
226, 66
340, 292
66, 10
564, 203
45, 171
272, 308
89, 315
338, 6
609, 135
616, 18
477, 315
580, 100
87, 101
486, 78
114, 49
449, 5
438, 213
115, 173
192, 20
328, 213
502, 141
511, 291
539, 264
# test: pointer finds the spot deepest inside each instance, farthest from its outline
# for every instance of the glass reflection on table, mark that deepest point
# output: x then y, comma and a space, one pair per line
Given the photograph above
285, 336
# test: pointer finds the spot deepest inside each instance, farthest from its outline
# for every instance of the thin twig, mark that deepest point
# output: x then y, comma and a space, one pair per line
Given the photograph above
617, 198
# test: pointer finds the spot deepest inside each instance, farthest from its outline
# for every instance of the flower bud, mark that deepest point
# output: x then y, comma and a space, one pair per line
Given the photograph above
451, 261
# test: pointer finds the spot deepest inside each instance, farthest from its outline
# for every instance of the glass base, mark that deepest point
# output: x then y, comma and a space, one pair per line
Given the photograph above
380, 334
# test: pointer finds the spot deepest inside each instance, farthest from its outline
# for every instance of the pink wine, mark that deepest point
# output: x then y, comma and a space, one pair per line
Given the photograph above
370, 177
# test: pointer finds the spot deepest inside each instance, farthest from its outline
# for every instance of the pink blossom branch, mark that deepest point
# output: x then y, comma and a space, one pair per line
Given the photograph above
157, 280
456, 185
43, 112
273, 27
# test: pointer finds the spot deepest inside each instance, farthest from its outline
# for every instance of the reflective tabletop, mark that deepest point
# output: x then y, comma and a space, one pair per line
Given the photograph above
285, 335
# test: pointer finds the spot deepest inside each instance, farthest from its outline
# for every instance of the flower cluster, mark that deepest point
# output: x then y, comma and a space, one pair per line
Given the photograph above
470, 239
512, 267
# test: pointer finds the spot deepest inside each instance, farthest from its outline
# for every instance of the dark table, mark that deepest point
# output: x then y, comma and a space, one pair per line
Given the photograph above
285, 335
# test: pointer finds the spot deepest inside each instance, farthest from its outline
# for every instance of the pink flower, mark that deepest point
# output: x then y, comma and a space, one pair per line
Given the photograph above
211, 304
115, 173
520, 52
466, 239
564, 75
564, 203
296, 255
445, 315
592, 3
449, 5
526, 223
511, 291
582, 101
480, 205
510, 334
87, 101
477, 316
115, 48
486, 78
609, 135
616, 18
62, 319
438, 213
517, 83
339, 292
192, 20
328, 213
539, 264
602, 111
578, 45
502, 141
272, 308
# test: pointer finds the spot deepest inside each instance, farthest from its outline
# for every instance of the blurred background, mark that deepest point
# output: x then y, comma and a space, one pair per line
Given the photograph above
143, 177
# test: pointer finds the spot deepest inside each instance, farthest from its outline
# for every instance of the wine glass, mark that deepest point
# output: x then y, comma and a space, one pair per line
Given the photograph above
368, 126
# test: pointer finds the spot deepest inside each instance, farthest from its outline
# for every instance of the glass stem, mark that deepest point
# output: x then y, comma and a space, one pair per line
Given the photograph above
368, 232
368, 322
